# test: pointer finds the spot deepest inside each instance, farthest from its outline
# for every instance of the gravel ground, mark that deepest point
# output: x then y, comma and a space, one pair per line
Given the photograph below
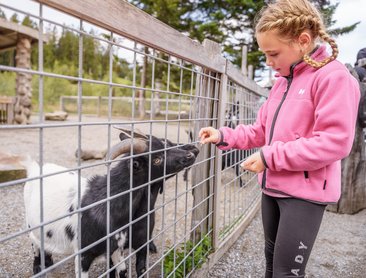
59, 145
339, 251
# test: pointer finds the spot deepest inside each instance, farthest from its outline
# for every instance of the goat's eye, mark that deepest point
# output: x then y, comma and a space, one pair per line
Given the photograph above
157, 161
136, 164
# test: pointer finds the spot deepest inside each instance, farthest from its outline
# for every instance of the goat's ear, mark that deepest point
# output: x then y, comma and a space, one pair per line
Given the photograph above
123, 136
127, 132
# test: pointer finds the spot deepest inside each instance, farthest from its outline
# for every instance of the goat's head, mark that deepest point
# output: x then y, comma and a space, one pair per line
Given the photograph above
161, 156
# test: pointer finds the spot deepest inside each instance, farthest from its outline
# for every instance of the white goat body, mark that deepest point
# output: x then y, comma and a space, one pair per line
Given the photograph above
59, 195
59, 198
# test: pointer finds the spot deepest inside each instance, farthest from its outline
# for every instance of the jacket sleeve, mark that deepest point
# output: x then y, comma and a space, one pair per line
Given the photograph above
336, 101
245, 136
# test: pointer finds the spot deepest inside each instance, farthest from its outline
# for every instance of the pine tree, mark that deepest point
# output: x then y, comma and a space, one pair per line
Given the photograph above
229, 22
2, 14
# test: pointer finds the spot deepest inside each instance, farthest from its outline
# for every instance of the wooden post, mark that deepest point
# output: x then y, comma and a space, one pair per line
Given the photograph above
156, 99
218, 162
353, 198
7, 110
142, 94
244, 59
250, 72
99, 101
62, 105
205, 90
23, 82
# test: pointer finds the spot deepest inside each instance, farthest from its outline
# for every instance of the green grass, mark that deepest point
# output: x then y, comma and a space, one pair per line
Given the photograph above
180, 261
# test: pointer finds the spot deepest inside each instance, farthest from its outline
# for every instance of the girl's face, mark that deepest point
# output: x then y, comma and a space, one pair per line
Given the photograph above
280, 54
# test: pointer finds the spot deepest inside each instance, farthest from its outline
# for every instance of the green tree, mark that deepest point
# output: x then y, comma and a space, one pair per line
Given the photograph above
67, 51
230, 23
328, 9
237, 17
172, 12
29, 23
14, 18
2, 14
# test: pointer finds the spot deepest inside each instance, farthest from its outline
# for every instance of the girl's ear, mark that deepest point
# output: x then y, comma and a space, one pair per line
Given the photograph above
305, 41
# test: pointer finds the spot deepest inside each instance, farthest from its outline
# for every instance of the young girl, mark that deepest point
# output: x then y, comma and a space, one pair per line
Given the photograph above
304, 129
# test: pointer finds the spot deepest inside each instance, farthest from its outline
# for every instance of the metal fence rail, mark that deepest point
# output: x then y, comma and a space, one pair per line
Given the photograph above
197, 213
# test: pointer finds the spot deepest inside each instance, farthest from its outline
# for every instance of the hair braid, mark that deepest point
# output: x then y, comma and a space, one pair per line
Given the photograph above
292, 17
318, 64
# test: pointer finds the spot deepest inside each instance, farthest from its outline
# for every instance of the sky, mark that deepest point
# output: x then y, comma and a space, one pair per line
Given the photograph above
347, 13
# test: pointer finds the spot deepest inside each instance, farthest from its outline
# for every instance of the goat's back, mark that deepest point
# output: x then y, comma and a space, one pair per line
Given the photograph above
59, 198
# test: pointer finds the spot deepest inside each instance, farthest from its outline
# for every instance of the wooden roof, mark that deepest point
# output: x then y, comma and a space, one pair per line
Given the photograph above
10, 31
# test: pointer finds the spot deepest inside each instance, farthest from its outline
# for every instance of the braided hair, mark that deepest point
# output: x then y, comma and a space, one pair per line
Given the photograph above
292, 17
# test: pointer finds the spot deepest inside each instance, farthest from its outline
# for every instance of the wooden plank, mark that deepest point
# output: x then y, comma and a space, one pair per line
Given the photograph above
244, 58
11, 167
218, 162
125, 19
6, 100
21, 29
200, 173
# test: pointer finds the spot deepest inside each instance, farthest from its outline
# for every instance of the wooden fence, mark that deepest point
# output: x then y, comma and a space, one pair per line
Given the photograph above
6, 110
100, 102
221, 209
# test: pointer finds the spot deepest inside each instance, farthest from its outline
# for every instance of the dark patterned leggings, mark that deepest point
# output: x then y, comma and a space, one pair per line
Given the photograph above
290, 228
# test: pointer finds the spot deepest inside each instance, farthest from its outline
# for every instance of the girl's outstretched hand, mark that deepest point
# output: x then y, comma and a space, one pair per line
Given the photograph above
209, 135
254, 163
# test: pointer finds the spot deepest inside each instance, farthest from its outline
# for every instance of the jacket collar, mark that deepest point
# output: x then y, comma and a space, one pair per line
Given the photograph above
318, 53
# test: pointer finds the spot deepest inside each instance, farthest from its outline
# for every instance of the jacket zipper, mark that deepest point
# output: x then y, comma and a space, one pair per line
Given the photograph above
289, 81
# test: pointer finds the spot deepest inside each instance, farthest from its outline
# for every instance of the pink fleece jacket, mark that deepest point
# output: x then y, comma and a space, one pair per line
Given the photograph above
305, 128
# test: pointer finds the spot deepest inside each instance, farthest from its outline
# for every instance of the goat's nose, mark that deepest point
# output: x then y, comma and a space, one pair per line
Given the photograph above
190, 155
186, 158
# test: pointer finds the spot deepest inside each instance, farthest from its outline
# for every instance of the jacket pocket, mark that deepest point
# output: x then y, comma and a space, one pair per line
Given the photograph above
325, 178
306, 175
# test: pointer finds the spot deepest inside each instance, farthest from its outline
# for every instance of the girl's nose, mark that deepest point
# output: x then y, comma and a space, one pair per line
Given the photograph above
269, 63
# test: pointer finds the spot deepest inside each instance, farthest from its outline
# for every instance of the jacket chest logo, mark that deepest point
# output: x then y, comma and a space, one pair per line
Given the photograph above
301, 91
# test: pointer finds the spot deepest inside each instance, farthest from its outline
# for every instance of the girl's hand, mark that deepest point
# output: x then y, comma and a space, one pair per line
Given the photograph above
209, 135
254, 163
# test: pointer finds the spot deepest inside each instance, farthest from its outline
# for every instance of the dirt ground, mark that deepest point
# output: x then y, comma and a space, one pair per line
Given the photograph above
340, 250
59, 145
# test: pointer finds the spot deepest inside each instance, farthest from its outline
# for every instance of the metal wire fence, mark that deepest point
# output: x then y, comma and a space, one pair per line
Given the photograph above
158, 85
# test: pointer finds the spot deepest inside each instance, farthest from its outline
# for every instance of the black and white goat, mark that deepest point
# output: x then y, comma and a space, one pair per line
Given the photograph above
154, 160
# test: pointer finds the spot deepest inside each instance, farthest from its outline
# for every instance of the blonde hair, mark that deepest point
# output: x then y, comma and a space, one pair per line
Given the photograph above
292, 17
